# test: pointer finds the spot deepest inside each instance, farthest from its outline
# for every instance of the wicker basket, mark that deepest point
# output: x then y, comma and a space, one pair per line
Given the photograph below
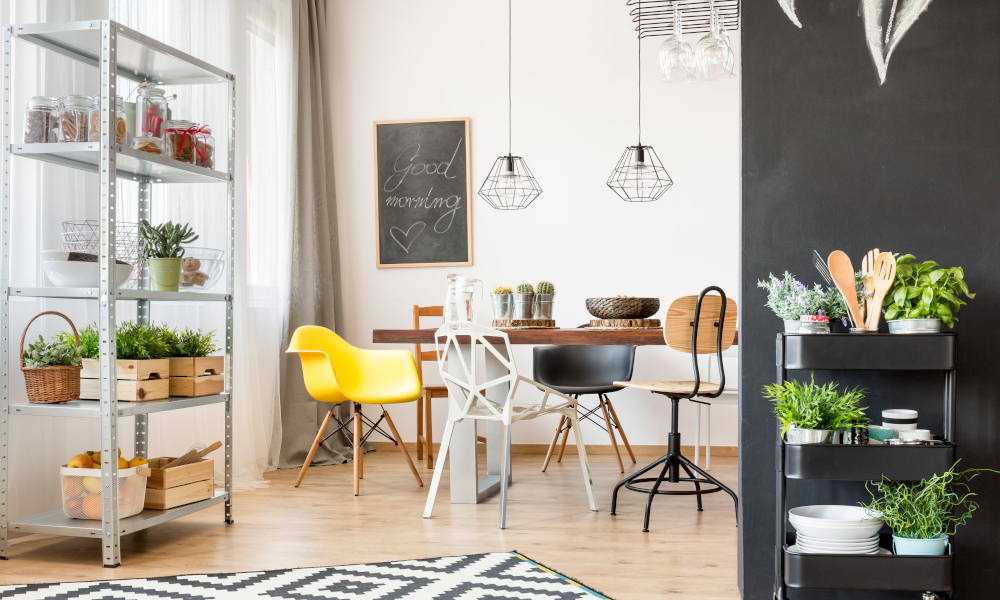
623, 308
50, 385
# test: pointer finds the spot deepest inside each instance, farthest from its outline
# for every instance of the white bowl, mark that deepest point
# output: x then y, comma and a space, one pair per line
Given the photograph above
81, 274
831, 513
859, 541
837, 544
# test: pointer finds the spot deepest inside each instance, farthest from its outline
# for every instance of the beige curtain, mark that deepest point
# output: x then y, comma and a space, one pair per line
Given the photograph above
315, 264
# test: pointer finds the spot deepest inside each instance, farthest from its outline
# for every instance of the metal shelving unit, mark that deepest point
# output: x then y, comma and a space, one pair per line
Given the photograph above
117, 51
875, 352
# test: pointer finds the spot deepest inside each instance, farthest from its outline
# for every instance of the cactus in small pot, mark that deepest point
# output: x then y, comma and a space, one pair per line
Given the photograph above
525, 288
546, 287
502, 290
524, 301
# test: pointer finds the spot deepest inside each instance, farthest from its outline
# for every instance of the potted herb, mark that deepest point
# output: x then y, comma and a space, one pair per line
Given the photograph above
524, 301
545, 293
193, 372
812, 414
503, 302
163, 252
922, 515
142, 367
922, 297
791, 299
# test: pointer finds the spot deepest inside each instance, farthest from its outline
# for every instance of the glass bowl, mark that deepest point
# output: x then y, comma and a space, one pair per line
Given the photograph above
201, 269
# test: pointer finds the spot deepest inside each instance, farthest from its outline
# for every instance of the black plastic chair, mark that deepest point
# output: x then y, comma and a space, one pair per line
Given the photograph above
579, 370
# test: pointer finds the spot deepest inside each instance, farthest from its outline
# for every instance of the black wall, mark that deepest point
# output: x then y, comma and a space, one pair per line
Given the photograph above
832, 160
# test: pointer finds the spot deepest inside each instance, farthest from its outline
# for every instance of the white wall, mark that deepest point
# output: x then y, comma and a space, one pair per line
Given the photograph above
574, 113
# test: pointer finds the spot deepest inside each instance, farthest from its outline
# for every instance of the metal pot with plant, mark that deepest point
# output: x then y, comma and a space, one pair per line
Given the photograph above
813, 414
923, 514
545, 293
502, 297
922, 296
791, 300
524, 301
162, 251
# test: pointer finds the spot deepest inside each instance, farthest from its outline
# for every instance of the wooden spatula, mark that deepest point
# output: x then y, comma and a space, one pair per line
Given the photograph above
884, 275
192, 456
843, 276
867, 269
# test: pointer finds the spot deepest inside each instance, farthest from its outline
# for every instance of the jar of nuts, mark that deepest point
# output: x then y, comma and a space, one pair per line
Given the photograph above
74, 111
41, 120
180, 140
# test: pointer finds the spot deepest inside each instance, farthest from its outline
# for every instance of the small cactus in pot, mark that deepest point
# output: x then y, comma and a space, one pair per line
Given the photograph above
525, 288
502, 290
503, 302
543, 300
545, 287
524, 301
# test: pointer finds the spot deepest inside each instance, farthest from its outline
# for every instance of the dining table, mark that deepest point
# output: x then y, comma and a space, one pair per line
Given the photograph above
466, 484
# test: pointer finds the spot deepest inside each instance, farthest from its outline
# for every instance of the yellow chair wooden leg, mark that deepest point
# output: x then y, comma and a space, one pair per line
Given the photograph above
358, 449
312, 451
621, 430
611, 432
402, 447
555, 440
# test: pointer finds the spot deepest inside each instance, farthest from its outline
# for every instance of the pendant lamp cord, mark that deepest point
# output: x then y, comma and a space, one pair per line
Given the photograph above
639, 60
510, 27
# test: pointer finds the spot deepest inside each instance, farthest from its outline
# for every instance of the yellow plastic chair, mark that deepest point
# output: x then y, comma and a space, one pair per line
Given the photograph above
335, 371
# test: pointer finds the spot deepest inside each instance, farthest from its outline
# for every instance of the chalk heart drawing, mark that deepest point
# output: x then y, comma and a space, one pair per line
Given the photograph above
405, 239
886, 22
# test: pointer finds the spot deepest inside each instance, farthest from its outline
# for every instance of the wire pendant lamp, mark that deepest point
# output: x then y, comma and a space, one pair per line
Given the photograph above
510, 184
639, 175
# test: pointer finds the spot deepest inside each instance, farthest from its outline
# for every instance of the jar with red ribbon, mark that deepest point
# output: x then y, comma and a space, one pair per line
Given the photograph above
180, 140
204, 147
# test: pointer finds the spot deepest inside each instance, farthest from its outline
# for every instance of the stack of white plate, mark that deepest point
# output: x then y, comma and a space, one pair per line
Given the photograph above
834, 529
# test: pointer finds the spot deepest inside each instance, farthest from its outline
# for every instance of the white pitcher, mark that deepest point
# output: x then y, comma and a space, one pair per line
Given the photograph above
459, 305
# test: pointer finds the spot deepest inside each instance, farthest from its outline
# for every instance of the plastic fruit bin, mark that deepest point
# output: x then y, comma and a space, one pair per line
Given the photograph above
81, 492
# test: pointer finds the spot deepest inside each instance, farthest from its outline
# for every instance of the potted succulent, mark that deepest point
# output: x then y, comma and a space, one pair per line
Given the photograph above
922, 515
791, 299
545, 293
813, 414
142, 367
503, 302
922, 297
193, 372
163, 252
524, 301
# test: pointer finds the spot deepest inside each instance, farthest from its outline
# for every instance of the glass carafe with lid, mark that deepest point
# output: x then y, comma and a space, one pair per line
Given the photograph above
458, 304
150, 111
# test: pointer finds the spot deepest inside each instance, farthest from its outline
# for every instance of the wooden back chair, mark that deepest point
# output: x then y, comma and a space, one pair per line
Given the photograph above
425, 421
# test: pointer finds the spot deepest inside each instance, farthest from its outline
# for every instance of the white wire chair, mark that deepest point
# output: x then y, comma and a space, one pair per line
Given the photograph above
467, 400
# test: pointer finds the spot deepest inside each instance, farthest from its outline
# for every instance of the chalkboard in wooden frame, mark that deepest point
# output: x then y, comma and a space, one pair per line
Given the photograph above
423, 193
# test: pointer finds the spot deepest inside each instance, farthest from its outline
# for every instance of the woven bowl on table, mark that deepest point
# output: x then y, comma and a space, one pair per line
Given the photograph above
623, 308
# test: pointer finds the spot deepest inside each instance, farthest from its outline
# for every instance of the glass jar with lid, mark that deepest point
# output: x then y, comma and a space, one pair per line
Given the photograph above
179, 140
150, 111
814, 324
41, 120
121, 131
94, 122
148, 143
74, 111
204, 147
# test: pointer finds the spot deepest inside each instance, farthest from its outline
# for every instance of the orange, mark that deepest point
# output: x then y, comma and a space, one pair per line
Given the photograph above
92, 506
138, 461
122, 463
73, 507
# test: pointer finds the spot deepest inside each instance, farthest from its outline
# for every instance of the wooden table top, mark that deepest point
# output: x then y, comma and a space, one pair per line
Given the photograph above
559, 337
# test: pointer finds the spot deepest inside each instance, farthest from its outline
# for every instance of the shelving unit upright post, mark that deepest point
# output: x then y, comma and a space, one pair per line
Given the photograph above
116, 51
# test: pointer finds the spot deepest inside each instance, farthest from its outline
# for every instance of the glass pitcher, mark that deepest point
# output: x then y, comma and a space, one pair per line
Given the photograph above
459, 306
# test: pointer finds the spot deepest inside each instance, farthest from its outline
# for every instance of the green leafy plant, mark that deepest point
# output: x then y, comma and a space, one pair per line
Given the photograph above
89, 341
811, 406
132, 341
58, 352
525, 288
925, 509
921, 291
502, 289
189, 342
164, 240
789, 298
546, 287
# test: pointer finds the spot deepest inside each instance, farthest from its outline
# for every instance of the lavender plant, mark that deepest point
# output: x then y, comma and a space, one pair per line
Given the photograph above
789, 298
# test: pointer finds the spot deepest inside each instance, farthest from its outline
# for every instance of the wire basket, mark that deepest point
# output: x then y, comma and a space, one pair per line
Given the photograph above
85, 236
81, 492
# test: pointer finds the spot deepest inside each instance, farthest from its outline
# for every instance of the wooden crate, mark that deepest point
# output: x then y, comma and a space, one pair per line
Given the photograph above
162, 479
206, 385
138, 380
197, 366
180, 495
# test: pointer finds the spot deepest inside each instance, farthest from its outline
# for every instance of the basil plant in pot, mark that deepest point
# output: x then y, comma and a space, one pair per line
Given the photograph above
162, 252
922, 297
923, 514
814, 414
791, 299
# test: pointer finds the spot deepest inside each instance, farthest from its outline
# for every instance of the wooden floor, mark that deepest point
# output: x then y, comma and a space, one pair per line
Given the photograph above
687, 554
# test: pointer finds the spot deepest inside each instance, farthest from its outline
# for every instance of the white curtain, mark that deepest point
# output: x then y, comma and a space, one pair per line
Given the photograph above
253, 40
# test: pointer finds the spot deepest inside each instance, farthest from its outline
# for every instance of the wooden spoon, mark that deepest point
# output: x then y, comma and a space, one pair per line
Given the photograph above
884, 275
867, 269
843, 277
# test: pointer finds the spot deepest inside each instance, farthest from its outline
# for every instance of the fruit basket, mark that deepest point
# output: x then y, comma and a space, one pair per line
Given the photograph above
81, 492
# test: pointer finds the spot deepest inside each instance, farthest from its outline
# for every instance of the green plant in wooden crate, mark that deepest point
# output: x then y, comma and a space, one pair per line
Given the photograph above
926, 509
132, 341
502, 290
61, 351
189, 343
921, 291
525, 288
545, 287
165, 240
811, 406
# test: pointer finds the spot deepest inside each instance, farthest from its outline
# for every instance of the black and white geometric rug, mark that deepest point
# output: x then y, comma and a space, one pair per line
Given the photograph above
494, 576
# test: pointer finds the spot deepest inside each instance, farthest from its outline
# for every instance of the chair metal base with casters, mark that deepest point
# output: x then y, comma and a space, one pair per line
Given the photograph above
467, 400
715, 319
579, 370
335, 371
